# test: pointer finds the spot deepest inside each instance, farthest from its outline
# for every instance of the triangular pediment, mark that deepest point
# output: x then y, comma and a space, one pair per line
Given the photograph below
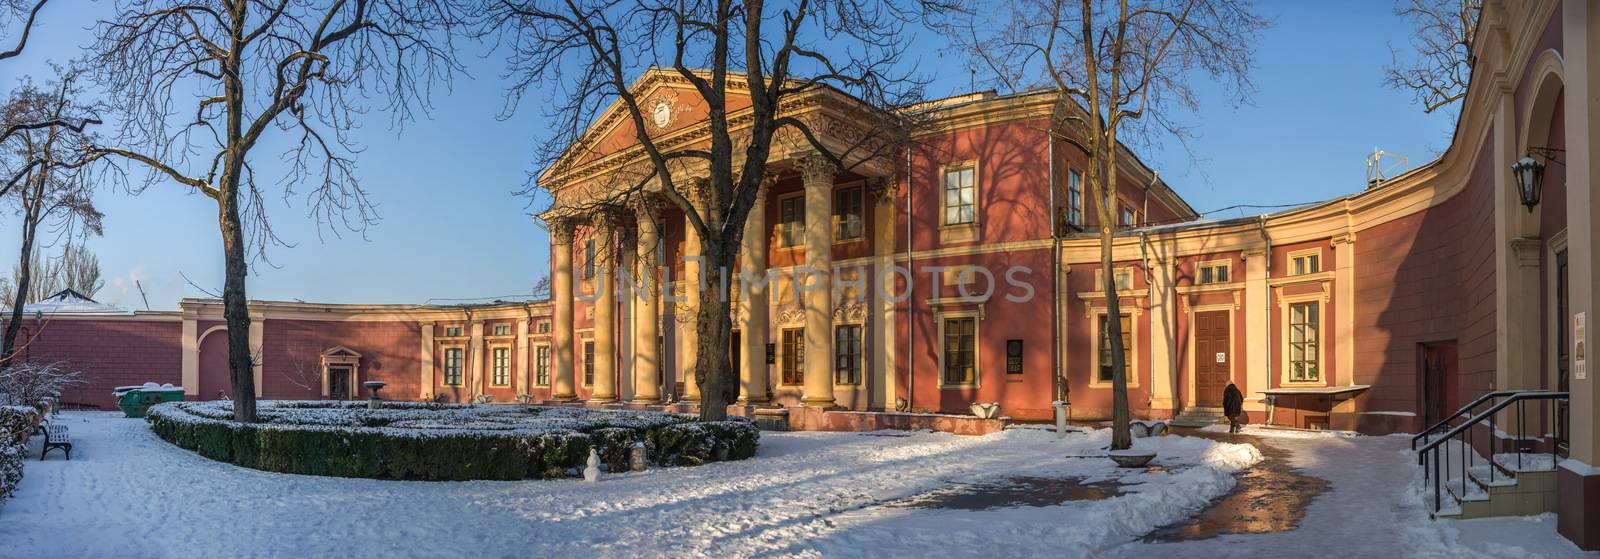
341, 351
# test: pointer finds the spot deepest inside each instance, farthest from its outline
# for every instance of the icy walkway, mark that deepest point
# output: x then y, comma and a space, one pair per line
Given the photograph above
127, 494
1369, 510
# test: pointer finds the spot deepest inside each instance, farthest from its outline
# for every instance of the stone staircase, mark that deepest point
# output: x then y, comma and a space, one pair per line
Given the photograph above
1199, 417
1504, 488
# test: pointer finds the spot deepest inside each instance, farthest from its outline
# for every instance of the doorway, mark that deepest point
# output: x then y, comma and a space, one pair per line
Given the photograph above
1439, 398
1212, 357
339, 383
1563, 348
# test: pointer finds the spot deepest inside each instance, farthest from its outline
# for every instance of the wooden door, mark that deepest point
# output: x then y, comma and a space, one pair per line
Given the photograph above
1213, 357
1439, 382
338, 383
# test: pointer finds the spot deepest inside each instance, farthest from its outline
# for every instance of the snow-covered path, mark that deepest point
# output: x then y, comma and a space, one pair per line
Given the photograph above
127, 494
1369, 510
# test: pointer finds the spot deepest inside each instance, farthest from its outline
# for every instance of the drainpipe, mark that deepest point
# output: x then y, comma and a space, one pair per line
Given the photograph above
911, 303
1150, 295
1272, 407
1055, 275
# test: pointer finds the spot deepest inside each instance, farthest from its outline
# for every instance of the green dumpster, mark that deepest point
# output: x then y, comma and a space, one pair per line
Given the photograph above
135, 401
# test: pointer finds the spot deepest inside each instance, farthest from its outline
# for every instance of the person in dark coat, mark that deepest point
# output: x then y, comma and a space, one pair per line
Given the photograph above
1232, 406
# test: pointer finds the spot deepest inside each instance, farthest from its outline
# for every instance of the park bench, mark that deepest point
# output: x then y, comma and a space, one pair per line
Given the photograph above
55, 436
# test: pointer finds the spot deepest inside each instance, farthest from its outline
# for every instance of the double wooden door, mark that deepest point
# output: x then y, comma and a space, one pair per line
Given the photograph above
1213, 357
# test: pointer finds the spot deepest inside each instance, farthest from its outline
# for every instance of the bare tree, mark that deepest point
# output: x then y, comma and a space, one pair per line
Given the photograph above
586, 53
79, 270
56, 193
26, 383
292, 73
1122, 70
75, 268
1443, 43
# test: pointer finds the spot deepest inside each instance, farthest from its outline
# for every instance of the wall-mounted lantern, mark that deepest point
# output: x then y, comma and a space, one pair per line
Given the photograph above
1530, 174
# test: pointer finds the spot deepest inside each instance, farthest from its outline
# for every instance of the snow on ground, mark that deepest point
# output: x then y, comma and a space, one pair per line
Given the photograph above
125, 493
1373, 508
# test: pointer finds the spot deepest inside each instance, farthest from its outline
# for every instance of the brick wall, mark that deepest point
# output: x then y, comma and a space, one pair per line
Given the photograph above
112, 351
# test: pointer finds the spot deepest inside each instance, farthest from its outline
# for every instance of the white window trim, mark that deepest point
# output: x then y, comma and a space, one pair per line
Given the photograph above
977, 347
1100, 279
1133, 352
1292, 256
977, 193
779, 353
1284, 303
861, 356
580, 356
444, 363
549, 362
781, 199
1223, 263
510, 362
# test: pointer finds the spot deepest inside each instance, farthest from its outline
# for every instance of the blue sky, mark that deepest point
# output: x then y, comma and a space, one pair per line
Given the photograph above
452, 228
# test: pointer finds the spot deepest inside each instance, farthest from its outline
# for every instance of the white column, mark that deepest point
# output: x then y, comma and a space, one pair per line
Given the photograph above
425, 361
561, 298
753, 373
605, 310
688, 334
817, 174
647, 309
1257, 300
522, 357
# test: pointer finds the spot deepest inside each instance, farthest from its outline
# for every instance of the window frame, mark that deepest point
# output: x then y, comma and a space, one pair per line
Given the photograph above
944, 193
453, 332
1131, 347
587, 346
1116, 274
588, 259
500, 330
945, 381
1320, 325
1210, 266
849, 360
792, 356
1074, 198
496, 352
842, 221
792, 234
541, 364
1307, 255
445, 363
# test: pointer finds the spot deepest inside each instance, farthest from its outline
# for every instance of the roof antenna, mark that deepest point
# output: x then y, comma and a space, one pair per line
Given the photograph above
1382, 166
142, 295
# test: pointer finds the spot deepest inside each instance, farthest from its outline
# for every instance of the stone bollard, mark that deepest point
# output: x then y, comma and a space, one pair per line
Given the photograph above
636, 457
1061, 416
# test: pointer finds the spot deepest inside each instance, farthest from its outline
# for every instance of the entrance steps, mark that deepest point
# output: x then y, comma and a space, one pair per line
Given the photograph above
1199, 417
1503, 488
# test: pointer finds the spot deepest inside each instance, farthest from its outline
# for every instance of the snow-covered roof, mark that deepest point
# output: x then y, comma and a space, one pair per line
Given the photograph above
68, 301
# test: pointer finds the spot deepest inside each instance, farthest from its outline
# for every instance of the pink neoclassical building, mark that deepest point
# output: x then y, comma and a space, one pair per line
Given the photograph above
966, 266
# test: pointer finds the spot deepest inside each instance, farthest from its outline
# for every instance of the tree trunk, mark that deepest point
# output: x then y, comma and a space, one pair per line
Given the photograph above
235, 310
714, 374
1121, 436
24, 278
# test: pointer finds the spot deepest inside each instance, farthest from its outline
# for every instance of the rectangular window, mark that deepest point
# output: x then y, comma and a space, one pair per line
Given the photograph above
452, 366
794, 356
1124, 278
588, 259
847, 354
541, 368
588, 363
791, 221
502, 329
1309, 263
847, 213
960, 196
1130, 218
452, 331
501, 366
1303, 340
1105, 345
544, 327
1216, 272
1074, 199
960, 350
1013, 357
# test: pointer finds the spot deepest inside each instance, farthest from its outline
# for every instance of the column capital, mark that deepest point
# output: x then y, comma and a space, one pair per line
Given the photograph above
816, 168
884, 188
560, 229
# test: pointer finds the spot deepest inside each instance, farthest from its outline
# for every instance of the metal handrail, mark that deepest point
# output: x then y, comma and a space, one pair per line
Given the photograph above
1486, 415
1465, 410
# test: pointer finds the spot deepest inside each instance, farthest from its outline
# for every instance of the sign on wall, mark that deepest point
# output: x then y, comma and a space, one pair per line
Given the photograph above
1580, 366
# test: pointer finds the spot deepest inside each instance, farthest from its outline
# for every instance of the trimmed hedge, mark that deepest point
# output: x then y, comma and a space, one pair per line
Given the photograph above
444, 441
16, 424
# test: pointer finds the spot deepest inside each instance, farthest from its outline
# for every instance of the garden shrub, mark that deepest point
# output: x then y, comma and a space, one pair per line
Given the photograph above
16, 424
443, 441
